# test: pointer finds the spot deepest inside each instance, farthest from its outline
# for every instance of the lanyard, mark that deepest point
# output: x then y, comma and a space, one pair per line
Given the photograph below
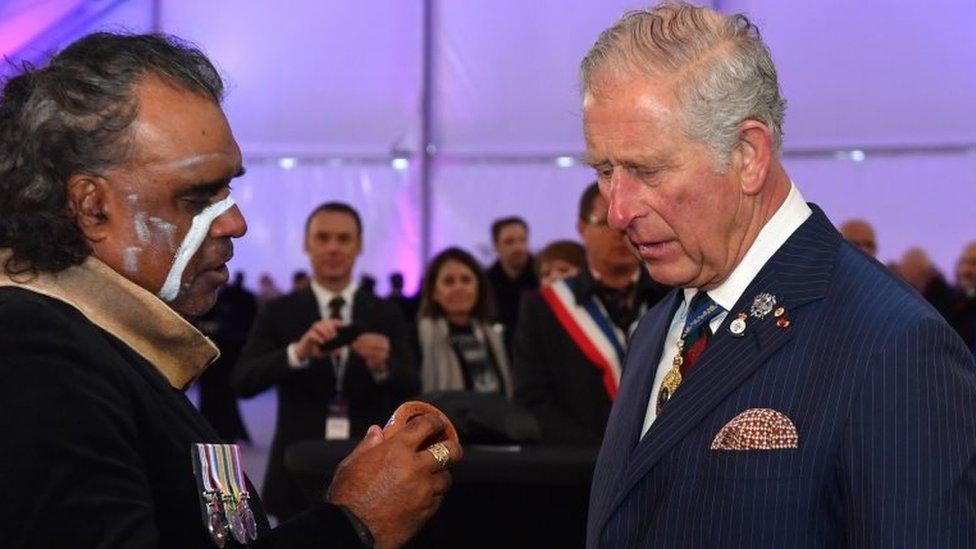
339, 370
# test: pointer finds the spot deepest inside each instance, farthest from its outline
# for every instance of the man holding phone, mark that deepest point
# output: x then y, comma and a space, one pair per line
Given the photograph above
338, 356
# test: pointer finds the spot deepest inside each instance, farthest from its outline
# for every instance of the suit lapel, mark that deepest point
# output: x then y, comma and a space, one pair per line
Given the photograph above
362, 304
627, 414
799, 273
364, 317
306, 310
645, 370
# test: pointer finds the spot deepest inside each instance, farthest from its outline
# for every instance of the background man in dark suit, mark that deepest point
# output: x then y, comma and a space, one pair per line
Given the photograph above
569, 346
228, 324
791, 392
115, 165
332, 393
513, 274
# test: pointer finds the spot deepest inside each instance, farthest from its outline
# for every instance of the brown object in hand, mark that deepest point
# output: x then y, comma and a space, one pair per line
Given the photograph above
411, 409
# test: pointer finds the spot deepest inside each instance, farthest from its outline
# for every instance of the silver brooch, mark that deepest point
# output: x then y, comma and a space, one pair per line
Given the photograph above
762, 305
738, 325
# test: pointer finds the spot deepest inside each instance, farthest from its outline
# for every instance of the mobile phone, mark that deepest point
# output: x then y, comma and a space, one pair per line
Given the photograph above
344, 336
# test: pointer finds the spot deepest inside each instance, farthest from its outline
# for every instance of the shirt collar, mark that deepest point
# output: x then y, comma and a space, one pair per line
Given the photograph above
787, 219
323, 295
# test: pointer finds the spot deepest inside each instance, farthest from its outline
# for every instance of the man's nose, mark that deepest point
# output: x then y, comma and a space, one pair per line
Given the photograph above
229, 224
622, 196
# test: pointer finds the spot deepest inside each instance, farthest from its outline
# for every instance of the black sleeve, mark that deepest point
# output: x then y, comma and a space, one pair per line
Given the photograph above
70, 466
404, 378
534, 369
323, 525
264, 359
413, 340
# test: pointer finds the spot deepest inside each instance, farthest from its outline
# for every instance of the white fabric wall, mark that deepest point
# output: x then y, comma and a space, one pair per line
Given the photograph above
924, 200
469, 197
312, 78
276, 203
864, 73
319, 80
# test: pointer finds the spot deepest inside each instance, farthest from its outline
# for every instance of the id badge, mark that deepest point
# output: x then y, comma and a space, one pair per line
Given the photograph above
337, 426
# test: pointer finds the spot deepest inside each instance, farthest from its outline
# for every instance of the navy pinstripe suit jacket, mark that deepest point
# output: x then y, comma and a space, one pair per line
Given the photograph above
882, 393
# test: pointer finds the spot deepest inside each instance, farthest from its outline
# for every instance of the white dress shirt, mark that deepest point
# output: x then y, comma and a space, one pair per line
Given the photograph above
787, 219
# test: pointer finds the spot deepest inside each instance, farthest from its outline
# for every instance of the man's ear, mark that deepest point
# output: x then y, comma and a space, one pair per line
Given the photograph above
752, 156
88, 204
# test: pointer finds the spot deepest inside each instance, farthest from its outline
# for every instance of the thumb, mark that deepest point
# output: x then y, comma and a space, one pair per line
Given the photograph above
374, 436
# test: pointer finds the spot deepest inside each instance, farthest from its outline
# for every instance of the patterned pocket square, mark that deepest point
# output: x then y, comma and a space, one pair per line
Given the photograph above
757, 429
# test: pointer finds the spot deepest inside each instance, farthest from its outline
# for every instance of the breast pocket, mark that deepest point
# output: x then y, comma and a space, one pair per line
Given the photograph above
752, 464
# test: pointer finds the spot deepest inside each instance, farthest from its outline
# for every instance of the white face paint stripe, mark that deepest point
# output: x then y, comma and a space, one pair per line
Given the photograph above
191, 243
142, 229
131, 259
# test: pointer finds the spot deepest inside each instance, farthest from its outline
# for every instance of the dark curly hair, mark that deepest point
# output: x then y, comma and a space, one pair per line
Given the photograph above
71, 117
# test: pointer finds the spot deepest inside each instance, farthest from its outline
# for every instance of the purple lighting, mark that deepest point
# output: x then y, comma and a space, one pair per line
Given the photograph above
320, 86
22, 21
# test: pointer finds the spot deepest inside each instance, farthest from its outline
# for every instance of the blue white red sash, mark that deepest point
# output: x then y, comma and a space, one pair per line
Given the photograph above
590, 328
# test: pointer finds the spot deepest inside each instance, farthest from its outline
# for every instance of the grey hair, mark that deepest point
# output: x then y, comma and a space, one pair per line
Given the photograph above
723, 74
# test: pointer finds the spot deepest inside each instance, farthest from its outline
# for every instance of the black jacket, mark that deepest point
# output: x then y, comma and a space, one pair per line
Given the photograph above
96, 442
962, 317
507, 297
554, 379
304, 394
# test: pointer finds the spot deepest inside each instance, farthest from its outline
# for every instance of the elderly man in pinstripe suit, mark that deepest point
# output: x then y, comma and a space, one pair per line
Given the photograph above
790, 392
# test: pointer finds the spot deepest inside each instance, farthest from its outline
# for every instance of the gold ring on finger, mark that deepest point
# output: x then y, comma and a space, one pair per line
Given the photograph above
440, 453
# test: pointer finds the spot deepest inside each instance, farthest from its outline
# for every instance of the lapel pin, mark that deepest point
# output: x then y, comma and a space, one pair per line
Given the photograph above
738, 326
779, 312
783, 322
762, 304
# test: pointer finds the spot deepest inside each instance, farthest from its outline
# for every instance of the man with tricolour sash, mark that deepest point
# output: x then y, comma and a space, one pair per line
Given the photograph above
573, 336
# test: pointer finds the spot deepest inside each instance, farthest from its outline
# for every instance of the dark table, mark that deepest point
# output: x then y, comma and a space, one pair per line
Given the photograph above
502, 495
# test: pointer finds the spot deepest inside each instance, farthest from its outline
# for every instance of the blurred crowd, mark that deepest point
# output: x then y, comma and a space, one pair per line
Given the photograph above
955, 300
528, 349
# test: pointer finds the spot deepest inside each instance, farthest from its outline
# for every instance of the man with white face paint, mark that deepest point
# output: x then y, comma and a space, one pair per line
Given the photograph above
199, 228
116, 224
790, 392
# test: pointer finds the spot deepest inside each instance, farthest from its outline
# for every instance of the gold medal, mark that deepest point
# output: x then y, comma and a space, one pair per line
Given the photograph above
670, 383
672, 380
